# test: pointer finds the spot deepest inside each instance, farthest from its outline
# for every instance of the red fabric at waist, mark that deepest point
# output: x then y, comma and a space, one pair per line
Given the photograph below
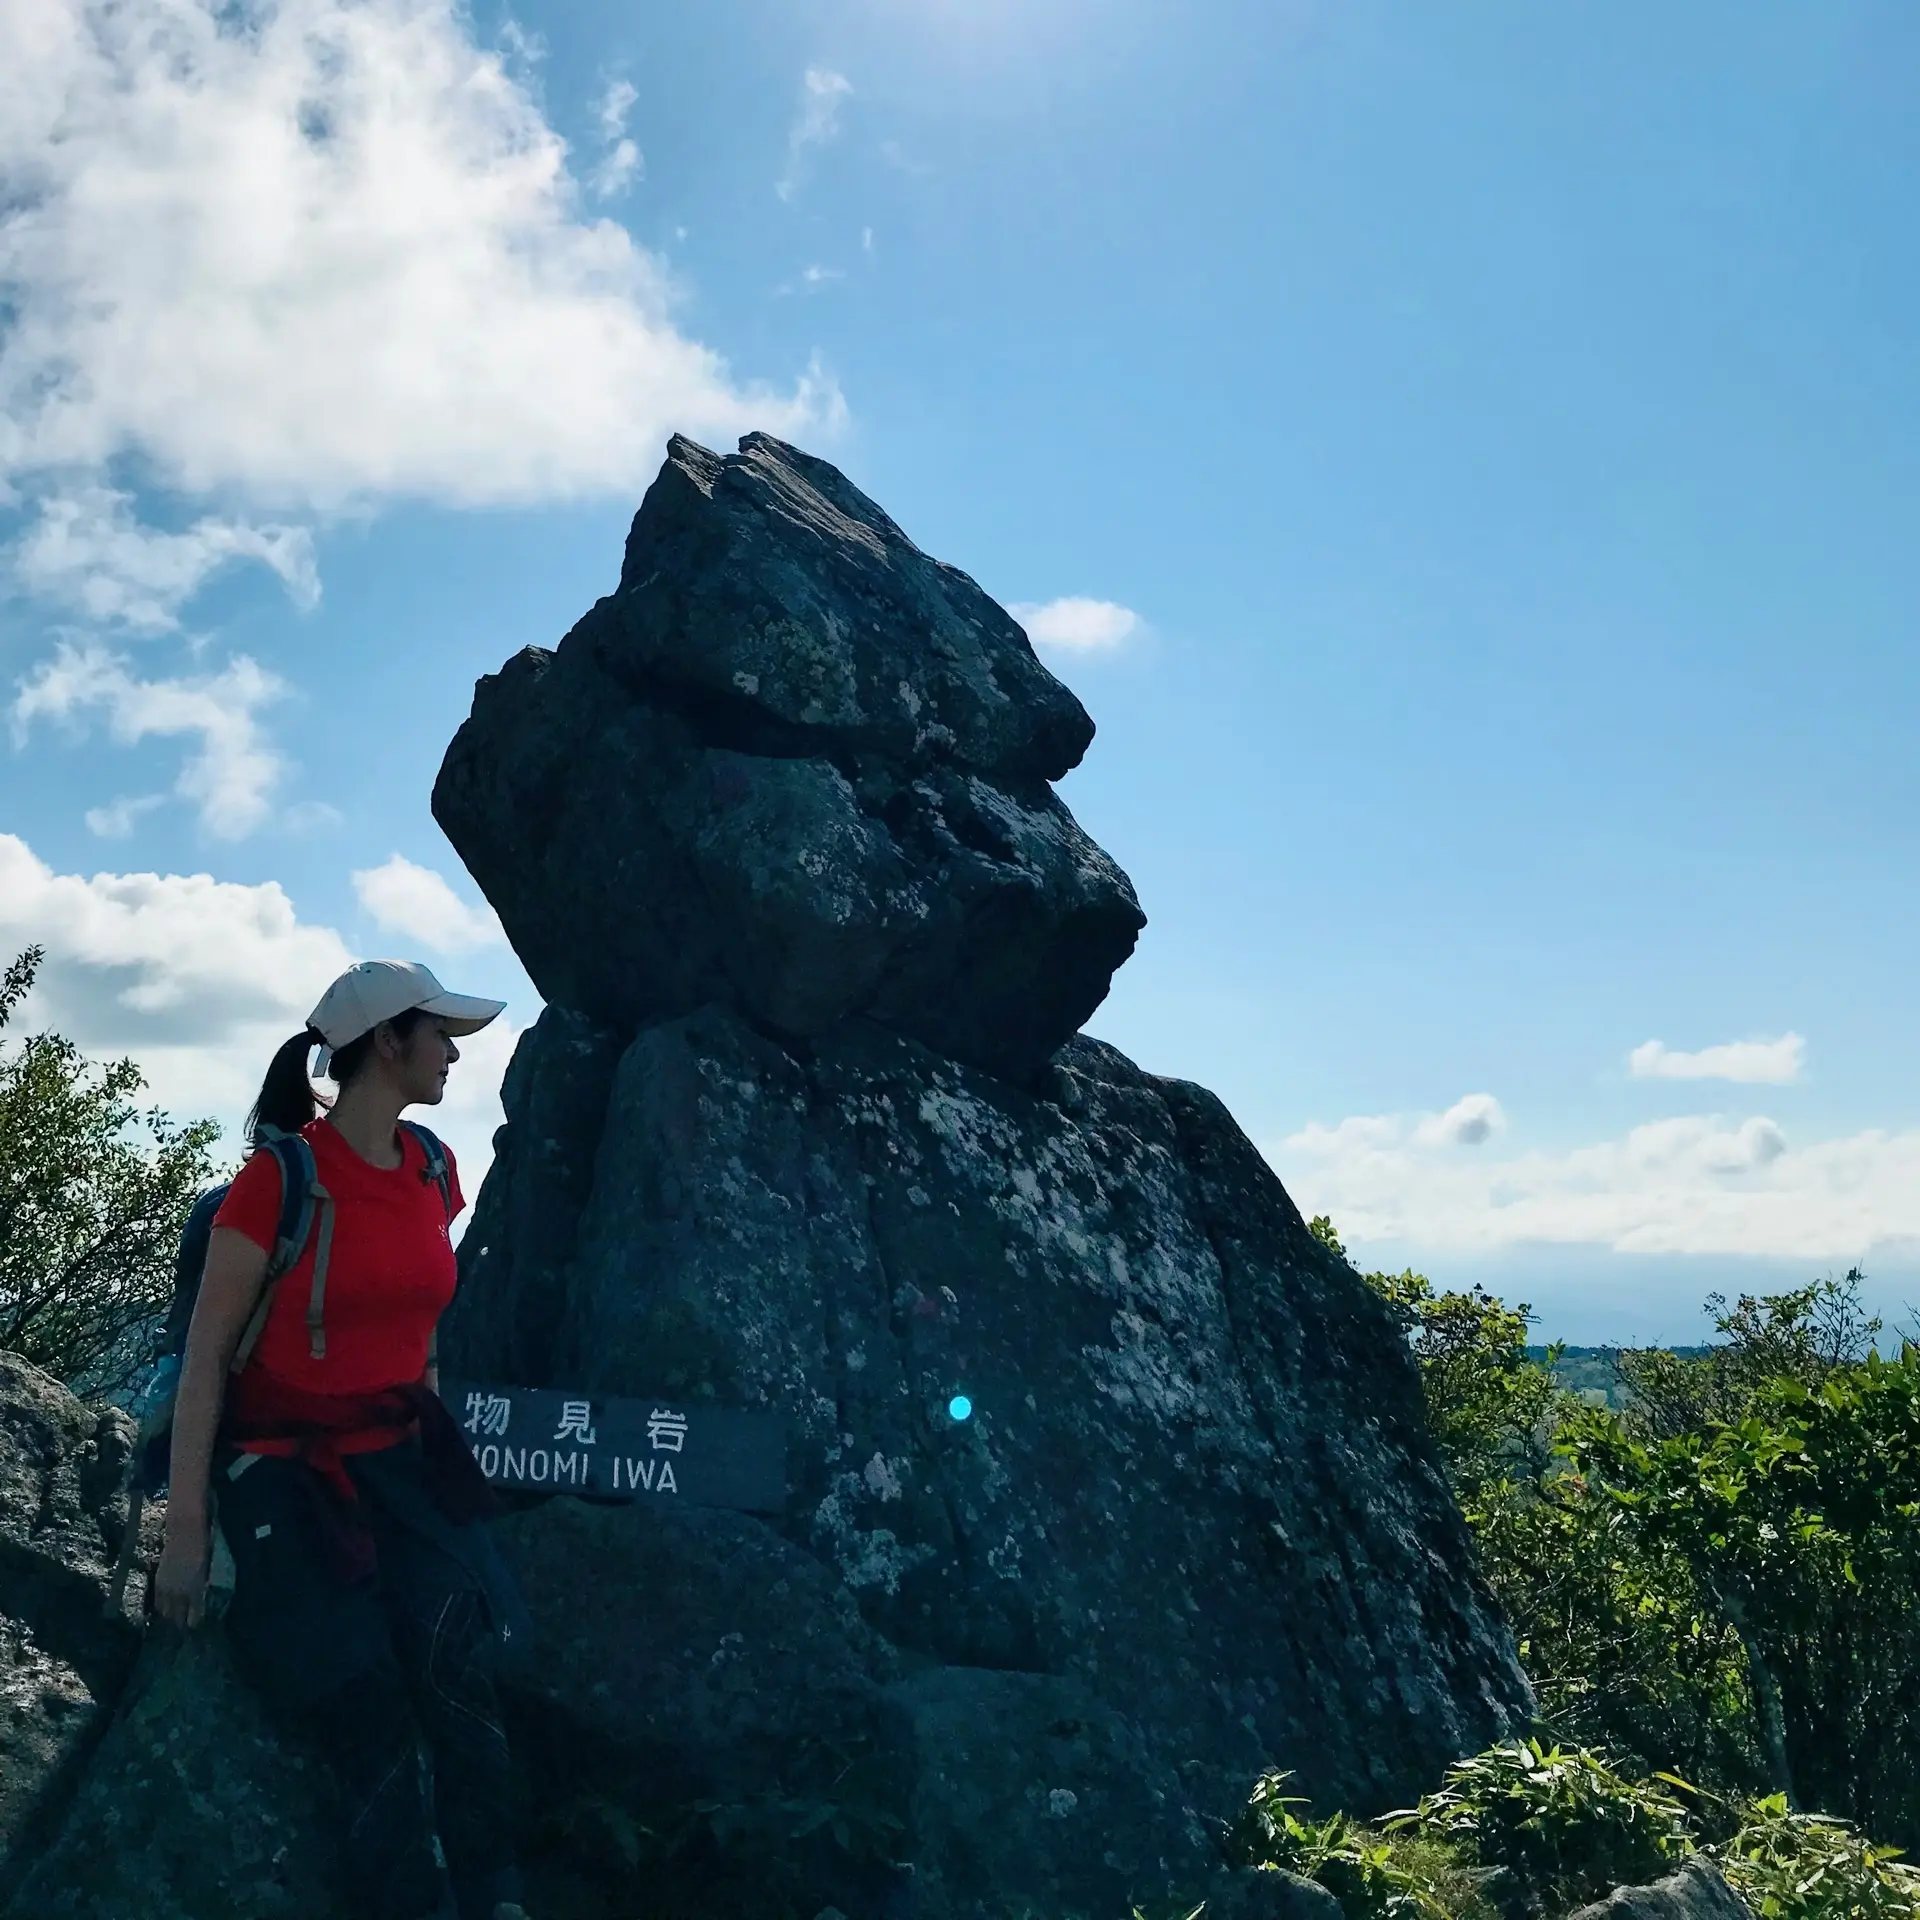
266, 1415
369, 1440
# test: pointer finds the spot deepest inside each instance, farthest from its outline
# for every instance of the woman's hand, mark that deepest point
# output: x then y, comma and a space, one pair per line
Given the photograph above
229, 1286
180, 1580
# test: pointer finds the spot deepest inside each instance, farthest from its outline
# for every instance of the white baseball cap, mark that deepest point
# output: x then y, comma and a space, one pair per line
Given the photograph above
379, 990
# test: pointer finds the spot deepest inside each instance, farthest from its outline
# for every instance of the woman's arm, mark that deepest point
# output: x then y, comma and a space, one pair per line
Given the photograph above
229, 1291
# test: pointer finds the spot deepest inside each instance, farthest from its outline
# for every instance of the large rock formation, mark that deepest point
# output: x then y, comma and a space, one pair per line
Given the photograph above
807, 1126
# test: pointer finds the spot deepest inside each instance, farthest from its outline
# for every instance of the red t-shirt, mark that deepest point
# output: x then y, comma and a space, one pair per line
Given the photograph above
390, 1273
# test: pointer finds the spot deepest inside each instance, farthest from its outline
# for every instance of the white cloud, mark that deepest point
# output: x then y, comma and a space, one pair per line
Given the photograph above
416, 901
200, 981
232, 774
307, 252
1697, 1184
615, 104
810, 280
312, 816
1773, 1063
287, 258
620, 165
1075, 624
290, 257
822, 94
1469, 1122
117, 821
87, 550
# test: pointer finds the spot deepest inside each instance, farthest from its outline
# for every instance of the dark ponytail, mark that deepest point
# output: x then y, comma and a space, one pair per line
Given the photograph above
287, 1100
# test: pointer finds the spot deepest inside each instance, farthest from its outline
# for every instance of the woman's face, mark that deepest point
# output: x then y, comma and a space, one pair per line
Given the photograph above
421, 1067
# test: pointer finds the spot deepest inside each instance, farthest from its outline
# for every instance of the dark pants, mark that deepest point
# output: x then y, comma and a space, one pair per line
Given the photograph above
394, 1680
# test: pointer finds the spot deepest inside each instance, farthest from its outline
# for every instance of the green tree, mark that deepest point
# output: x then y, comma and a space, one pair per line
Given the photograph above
1622, 1642
94, 1194
1807, 1334
1800, 1521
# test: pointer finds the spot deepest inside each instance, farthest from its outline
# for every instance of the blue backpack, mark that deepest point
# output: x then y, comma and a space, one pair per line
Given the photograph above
303, 1202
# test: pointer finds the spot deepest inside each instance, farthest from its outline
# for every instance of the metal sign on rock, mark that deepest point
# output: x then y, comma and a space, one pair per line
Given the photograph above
548, 1440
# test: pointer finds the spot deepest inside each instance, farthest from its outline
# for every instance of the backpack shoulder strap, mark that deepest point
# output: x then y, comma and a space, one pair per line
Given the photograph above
299, 1192
438, 1170
301, 1198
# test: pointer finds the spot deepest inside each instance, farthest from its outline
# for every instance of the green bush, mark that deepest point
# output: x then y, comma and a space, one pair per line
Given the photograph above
1808, 1866
1559, 1824
1352, 1862
1531, 1832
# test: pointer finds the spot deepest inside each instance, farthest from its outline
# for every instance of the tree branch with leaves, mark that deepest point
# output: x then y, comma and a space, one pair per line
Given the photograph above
94, 1195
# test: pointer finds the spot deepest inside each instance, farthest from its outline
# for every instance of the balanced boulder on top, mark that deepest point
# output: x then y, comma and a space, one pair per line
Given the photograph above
793, 766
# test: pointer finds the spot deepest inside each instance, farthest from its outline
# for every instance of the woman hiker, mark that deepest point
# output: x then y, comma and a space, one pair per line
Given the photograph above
367, 1596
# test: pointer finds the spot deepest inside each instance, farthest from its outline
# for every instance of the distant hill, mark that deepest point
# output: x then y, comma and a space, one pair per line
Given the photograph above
1588, 1371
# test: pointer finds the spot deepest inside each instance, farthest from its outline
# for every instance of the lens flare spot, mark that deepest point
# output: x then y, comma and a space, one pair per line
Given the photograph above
960, 1407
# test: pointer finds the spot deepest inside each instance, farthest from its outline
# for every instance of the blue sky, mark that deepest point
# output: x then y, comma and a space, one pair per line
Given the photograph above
1489, 437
